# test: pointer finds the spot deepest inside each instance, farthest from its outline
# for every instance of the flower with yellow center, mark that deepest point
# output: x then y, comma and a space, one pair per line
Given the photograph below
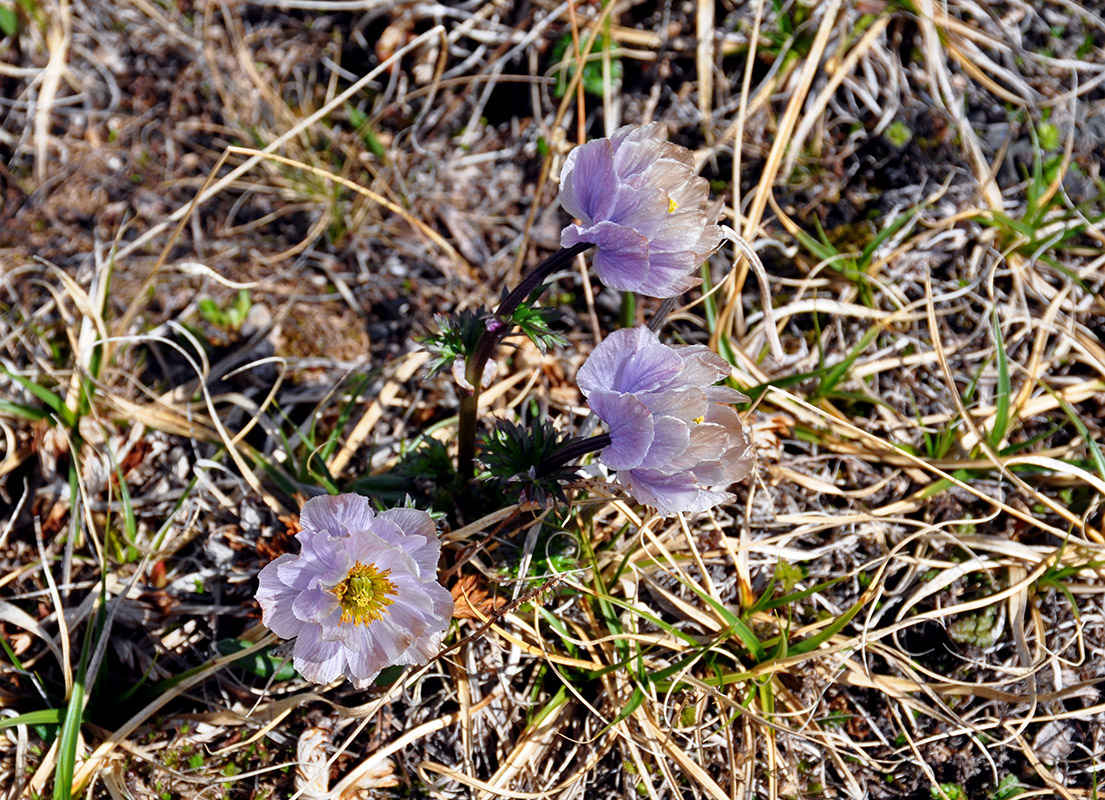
676, 442
641, 205
363, 594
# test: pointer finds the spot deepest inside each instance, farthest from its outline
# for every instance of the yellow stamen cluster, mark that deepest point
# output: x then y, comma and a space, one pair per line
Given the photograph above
672, 205
363, 594
699, 420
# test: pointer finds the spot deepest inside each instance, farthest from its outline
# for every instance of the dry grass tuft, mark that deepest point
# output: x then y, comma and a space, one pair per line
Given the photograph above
222, 227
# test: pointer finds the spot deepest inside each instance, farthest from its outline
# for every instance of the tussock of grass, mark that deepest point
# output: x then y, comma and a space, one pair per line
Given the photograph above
221, 229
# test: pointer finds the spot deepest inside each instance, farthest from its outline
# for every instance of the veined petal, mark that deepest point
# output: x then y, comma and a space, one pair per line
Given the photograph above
670, 493
670, 274
703, 365
420, 542
640, 181
685, 403
669, 441
602, 367
634, 160
338, 515
588, 183
316, 659
276, 599
675, 443
383, 607
630, 424
651, 369
644, 210
314, 605
622, 260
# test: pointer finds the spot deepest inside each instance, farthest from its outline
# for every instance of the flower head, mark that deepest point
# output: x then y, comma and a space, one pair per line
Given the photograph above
362, 594
675, 442
642, 206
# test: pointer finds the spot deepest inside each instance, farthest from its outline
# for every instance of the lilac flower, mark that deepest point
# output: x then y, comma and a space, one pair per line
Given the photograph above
361, 595
675, 442
643, 208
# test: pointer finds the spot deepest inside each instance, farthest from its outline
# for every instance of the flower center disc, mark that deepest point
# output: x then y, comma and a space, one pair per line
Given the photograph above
363, 594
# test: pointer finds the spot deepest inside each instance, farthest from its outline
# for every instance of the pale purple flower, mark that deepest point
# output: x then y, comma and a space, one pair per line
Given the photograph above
362, 594
642, 206
675, 442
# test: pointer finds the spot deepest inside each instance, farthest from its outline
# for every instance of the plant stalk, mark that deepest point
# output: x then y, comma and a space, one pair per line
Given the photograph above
571, 451
497, 326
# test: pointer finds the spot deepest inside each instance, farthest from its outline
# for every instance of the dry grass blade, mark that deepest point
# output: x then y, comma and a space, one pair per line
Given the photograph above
224, 231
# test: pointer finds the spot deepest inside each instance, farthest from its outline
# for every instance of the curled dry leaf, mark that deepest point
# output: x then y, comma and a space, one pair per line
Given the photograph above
471, 601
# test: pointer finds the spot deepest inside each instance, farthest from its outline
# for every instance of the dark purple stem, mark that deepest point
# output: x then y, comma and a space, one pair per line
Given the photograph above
498, 326
571, 451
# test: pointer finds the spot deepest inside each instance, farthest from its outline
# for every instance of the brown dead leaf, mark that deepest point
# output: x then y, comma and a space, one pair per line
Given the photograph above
468, 599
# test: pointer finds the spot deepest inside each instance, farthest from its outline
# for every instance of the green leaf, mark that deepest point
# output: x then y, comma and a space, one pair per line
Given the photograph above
456, 337
263, 664
592, 70
44, 716
534, 322
19, 410
9, 22
67, 742
813, 642
1049, 136
1008, 787
1001, 402
837, 372
56, 404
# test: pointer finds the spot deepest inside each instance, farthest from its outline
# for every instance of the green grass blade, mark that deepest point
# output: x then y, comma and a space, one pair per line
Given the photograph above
1001, 401
44, 716
67, 741
1087, 437
20, 410
53, 401
796, 596
883, 235
813, 642
837, 372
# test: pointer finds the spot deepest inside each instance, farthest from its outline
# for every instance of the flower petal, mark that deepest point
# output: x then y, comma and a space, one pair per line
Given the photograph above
670, 493
651, 369
276, 600
674, 441
338, 515
588, 183
639, 181
670, 440
297, 595
318, 660
420, 542
622, 260
314, 605
602, 367
630, 424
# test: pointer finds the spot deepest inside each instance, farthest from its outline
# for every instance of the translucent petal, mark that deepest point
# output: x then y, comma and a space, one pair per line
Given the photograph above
645, 210
588, 184
297, 595
622, 260
318, 660
339, 515
275, 599
602, 367
314, 605
420, 542
669, 442
669, 494
630, 424
653, 368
